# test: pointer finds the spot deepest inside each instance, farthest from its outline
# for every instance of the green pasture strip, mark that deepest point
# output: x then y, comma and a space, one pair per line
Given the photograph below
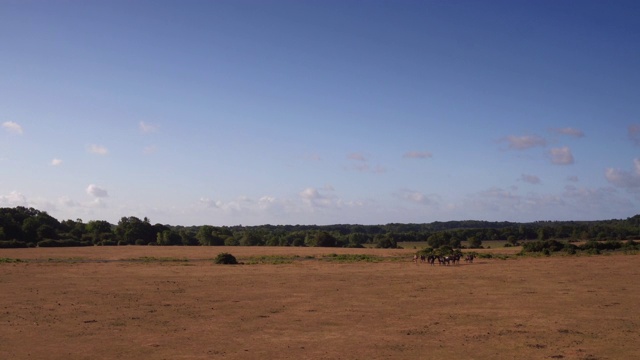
271, 259
69, 260
351, 258
153, 259
413, 244
492, 256
10, 261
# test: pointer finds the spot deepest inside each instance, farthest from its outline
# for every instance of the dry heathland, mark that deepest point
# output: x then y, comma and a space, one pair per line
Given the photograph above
303, 303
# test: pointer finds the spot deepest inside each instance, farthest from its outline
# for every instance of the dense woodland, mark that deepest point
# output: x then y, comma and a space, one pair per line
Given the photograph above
28, 227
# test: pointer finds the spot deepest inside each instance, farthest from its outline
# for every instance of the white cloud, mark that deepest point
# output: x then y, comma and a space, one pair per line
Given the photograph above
266, 202
312, 197
416, 197
208, 202
147, 128
570, 131
417, 155
310, 194
97, 203
625, 179
98, 149
531, 179
508, 205
561, 156
14, 198
56, 162
67, 201
12, 127
524, 142
592, 203
96, 191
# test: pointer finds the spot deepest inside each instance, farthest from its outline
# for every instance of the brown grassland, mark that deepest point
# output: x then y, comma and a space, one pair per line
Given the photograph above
134, 302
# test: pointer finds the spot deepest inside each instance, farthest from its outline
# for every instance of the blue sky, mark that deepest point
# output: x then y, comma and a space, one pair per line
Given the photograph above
321, 112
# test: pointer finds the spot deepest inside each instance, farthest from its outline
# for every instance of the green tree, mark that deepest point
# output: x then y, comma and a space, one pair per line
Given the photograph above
357, 239
169, 237
385, 241
187, 237
251, 238
474, 242
131, 229
321, 239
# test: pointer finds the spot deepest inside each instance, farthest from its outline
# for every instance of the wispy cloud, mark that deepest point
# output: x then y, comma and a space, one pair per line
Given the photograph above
524, 142
634, 133
207, 202
357, 157
98, 149
417, 197
531, 179
12, 127
96, 191
629, 180
361, 163
573, 178
313, 157
569, 131
312, 196
67, 201
561, 156
417, 155
14, 198
147, 127
148, 150
56, 162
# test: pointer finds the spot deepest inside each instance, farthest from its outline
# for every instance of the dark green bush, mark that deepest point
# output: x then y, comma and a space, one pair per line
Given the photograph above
107, 243
631, 245
12, 244
225, 258
597, 247
570, 249
542, 245
62, 243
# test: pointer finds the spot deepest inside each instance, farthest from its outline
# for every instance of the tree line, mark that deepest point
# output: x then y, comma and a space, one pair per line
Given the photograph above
29, 227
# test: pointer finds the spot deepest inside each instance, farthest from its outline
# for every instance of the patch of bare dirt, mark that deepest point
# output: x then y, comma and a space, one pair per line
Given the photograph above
88, 303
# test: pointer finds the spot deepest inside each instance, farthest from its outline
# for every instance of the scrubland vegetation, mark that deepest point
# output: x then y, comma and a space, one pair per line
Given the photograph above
28, 227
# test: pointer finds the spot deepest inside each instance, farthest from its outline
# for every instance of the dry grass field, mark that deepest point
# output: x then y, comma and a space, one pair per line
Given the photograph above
175, 303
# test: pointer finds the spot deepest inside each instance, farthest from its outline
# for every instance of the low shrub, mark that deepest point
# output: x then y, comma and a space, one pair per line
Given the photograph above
12, 244
61, 243
225, 259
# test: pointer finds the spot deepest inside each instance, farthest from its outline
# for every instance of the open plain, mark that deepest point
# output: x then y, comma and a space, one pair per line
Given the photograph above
134, 302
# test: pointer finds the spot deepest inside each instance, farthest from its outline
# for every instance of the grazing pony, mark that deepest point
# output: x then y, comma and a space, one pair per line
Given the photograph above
469, 258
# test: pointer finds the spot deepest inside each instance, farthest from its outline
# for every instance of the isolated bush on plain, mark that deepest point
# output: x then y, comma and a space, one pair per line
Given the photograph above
225, 259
